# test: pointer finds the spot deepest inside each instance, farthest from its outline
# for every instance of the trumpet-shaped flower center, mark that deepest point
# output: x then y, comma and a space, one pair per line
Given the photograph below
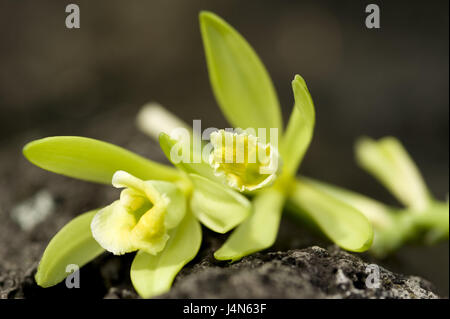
246, 163
140, 218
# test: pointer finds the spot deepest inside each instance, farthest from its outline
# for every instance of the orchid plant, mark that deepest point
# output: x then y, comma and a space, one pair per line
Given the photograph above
423, 219
161, 208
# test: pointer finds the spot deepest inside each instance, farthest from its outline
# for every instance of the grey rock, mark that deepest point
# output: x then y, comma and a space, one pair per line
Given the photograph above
12, 281
303, 273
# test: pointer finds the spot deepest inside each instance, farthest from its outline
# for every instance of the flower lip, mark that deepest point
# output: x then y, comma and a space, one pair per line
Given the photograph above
246, 163
142, 216
122, 179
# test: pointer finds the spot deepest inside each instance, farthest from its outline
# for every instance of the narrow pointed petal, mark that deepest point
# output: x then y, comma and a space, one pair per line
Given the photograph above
241, 84
257, 232
342, 223
389, 162
92, 160
299, 131
73, 244
379, 214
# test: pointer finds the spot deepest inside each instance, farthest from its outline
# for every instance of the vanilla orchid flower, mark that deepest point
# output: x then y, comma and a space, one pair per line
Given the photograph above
245, 94
141, 218
246, 163
151, 217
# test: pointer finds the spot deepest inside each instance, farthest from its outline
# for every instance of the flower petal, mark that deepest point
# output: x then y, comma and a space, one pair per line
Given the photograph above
241, 84
73, 244
153, 275
154, 119
112, 227
257, 232
92, 160
299, 131
142, 216
176, 207
379, 214
216, 206
157, 192
342, 223
389, 162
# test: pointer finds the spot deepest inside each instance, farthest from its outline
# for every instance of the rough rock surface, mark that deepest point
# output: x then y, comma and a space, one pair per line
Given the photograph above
313, 272
303, 273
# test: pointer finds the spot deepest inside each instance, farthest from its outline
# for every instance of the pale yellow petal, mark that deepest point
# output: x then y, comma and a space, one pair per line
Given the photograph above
111, 227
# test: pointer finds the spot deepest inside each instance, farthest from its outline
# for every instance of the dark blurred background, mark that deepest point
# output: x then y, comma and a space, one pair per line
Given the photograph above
91, 81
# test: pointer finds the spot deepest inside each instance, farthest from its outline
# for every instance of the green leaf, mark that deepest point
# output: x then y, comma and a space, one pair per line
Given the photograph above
176, 150
216, 206
390, 163
257, 232
343, 224
153, 275
92, 160
73, 244
300, 128
241, 84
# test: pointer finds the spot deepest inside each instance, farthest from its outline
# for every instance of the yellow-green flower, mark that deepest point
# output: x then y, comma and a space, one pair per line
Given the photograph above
245, 94
151, 216
141, 218
246, 163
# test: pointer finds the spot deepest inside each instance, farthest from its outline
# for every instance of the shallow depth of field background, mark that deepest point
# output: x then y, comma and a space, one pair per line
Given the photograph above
392, 81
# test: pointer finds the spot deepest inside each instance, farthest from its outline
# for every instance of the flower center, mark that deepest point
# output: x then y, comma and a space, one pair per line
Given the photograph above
246, 163
146, 204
